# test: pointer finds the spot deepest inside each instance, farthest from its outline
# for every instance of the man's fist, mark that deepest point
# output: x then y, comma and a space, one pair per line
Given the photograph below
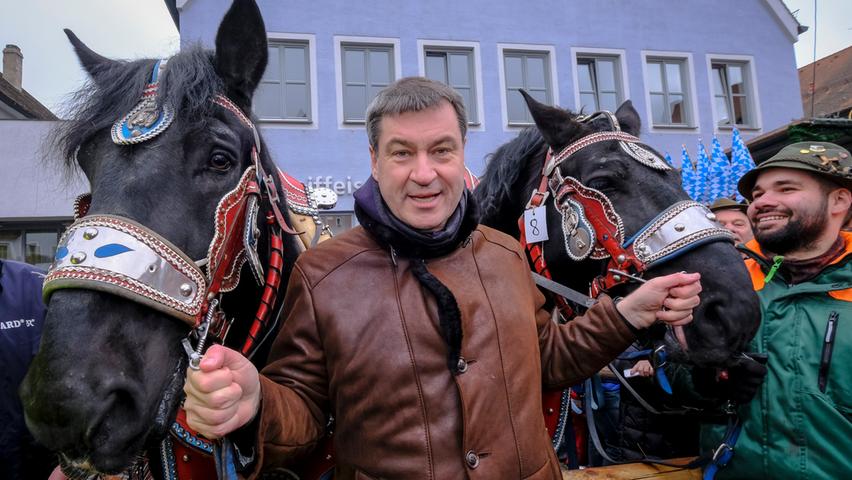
223, 395
670, 299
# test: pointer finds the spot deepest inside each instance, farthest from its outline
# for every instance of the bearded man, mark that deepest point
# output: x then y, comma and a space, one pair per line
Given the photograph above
799, 424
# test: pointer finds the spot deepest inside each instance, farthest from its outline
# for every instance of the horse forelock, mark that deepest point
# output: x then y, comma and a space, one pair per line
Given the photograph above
188, 83
513, 162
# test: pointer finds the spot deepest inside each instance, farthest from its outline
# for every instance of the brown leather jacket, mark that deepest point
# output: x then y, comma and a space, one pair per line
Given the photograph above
361, 339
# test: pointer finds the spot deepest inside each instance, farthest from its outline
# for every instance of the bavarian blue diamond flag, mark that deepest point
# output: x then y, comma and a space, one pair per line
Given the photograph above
669, 160
741, 162
702, 174
720, 170
687, 174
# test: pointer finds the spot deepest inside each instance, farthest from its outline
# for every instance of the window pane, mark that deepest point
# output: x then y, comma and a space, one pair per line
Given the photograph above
467, 96
719, 80
588, 102
741, 116
514, 72
372, 91
655, 77
735, 76
724, 117
658, 109
676, 107
267, 101
294, 64
536, 72
609, 101
436, 67
540, 95
673, 78
605, 70
584, 77
296, 100
459, 70
380, 73
41, 246
273, 66
353, 66
354, 104
10, 245
516, 107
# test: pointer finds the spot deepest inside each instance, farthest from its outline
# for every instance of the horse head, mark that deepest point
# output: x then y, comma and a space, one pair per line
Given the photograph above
170, 188
601, 157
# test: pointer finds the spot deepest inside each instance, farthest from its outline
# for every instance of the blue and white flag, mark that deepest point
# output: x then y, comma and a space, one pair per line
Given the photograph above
741, 161
720, 172
687, 174
669, 160
702, 174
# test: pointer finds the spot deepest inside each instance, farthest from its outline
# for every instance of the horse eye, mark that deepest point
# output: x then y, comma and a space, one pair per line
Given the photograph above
599, 183
220, 162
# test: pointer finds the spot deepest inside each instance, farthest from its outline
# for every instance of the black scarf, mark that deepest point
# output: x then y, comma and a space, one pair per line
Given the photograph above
420, 246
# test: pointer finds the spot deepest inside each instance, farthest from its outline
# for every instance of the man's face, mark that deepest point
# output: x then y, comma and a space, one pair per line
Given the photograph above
734, 220
789, 211
419, 165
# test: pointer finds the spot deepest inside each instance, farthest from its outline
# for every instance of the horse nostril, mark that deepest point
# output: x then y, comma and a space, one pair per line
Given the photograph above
117, 408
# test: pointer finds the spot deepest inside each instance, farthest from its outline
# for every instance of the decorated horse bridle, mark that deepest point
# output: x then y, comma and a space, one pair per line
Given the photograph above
593, 229
116, 255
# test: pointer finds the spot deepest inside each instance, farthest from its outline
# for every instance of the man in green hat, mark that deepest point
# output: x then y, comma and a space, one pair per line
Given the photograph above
799, 425
732, 216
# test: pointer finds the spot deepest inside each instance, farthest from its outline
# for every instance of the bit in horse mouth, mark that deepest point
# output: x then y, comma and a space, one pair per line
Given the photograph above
84, 470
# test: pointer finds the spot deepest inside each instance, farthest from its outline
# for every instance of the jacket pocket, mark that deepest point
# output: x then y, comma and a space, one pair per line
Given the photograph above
827, 350
544, 472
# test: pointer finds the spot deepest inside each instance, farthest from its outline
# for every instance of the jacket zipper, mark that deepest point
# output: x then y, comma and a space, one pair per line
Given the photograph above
827, 348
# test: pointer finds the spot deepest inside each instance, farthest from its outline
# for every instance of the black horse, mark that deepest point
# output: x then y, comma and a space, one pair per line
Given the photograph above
107, 383
728, 315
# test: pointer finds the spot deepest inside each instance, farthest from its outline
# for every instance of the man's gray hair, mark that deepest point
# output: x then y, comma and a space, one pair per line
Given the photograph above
411, 94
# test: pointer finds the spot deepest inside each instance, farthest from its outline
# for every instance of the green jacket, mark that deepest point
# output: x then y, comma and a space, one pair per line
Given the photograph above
792, 429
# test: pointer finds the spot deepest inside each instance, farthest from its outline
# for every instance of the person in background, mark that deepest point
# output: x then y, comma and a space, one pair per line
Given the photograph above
21, 319
732, 216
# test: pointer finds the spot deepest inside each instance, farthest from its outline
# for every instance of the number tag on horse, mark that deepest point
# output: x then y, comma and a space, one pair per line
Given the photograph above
535, 224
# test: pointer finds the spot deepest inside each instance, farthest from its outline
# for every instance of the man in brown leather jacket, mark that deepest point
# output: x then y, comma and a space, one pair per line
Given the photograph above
420, 331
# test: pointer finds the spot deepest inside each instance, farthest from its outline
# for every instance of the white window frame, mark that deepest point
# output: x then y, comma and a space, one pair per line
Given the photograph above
284, 123
550, 50
423, 45
339, 40
619, 54
754, 98
694, 123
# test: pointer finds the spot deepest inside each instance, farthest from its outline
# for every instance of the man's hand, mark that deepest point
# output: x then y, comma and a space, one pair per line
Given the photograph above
223, 395
677, 292
642, 368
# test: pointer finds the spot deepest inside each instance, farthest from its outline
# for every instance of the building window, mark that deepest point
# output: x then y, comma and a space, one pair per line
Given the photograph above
35, 245
367, 69
284, 92
529, 71
668, 92
454, 67
599, 83
732, 94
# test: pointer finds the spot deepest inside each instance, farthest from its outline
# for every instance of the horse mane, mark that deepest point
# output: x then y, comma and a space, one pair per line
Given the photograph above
498, 185
188, 84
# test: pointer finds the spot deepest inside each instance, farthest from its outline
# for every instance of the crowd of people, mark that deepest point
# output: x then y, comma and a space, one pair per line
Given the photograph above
422, 333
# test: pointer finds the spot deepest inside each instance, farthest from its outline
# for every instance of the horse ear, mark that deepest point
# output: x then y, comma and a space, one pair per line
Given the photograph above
628, 118
93, 63
241, 51
556, 125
